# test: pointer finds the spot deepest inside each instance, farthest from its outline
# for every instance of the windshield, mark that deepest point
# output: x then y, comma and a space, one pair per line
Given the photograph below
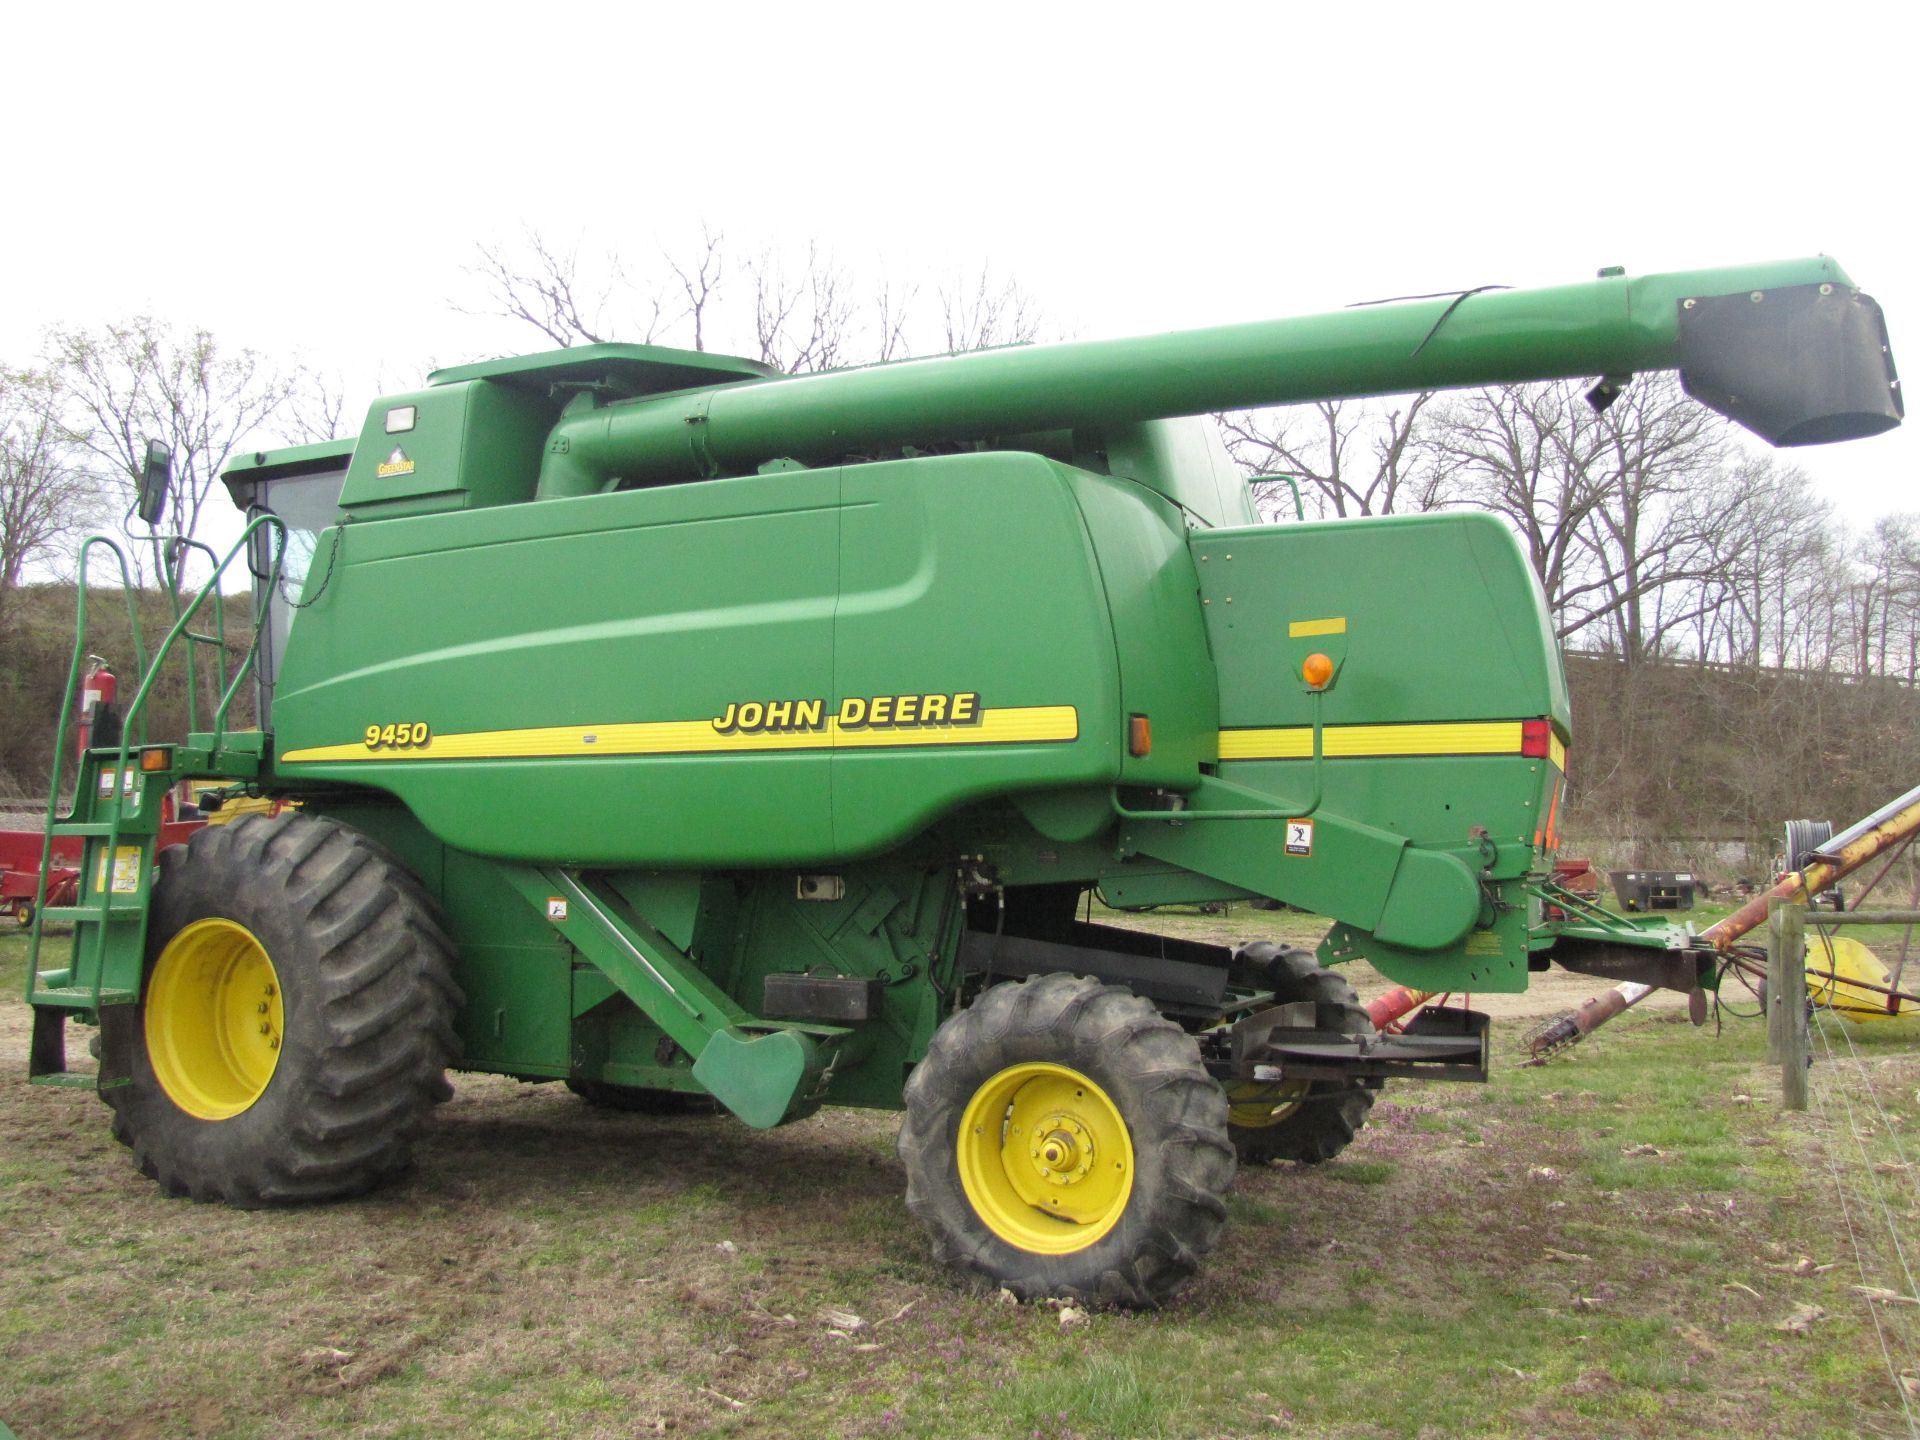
306, 505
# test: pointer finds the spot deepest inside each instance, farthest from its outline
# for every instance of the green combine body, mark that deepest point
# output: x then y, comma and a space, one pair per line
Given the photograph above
671, 728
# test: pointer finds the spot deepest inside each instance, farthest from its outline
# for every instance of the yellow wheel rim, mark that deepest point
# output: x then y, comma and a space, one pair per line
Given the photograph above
214, 1019
1045, 1158
1255, 1107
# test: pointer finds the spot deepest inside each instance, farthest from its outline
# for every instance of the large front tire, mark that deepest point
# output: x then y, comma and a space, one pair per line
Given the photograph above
296, 1016
1062, 1139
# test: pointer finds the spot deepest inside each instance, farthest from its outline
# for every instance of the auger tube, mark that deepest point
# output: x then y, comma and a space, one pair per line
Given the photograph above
1791, 349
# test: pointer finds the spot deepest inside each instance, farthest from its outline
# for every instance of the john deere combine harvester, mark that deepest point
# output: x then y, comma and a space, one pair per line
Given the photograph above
672, 728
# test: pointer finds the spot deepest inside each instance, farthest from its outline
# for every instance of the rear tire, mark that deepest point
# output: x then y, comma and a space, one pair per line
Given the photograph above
1115, 1190
22, 913
296, 1016
1309, 1122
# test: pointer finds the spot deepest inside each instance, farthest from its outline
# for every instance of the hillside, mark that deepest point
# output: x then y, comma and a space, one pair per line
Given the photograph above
1670, 762
38, 648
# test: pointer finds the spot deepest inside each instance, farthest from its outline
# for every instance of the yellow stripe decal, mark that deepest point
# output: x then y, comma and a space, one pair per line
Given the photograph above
1557, 751
1008, 725
1300, 629
1295, 742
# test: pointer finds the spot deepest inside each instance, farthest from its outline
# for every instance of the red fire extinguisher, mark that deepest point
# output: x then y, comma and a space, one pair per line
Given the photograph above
99, 720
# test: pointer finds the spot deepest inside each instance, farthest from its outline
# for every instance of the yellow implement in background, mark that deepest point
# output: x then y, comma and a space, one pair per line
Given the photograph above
1835, 969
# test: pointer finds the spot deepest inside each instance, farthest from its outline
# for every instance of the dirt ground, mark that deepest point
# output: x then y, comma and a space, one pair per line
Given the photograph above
1482, 1261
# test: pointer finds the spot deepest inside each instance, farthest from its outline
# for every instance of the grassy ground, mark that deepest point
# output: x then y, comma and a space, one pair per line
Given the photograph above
1502, 1260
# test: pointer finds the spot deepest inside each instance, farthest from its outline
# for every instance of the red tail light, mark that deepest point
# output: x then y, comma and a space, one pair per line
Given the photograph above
1536, 739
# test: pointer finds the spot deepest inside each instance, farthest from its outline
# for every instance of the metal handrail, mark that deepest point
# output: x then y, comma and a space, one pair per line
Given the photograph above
127, 592
135, 712
259, 522
175, 550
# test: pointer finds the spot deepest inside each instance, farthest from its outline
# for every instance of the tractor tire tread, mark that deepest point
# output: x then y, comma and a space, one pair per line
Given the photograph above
375, 973
1336, 1110
1184, 1165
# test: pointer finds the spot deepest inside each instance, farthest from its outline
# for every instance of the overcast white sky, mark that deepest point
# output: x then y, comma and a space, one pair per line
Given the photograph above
315, 178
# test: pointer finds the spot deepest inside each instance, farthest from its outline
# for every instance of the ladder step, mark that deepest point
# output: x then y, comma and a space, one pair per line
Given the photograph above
81, 997
92, 913
129, 828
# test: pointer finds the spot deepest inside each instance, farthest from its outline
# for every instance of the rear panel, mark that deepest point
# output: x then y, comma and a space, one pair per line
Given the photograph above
1444, 654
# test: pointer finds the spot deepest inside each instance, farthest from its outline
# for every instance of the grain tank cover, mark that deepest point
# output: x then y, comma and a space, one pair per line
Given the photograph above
620, 371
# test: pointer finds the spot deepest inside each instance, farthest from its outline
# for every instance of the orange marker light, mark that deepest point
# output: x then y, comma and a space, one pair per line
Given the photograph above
160, 759
1139, 736
1317, 670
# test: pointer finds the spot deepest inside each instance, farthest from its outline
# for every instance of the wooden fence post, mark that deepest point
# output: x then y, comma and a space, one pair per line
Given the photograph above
1782, 984
1794, 1040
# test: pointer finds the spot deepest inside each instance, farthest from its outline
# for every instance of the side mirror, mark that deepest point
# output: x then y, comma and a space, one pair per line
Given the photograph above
154, 483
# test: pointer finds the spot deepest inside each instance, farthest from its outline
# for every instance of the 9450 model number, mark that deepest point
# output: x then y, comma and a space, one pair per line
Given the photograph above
406, 735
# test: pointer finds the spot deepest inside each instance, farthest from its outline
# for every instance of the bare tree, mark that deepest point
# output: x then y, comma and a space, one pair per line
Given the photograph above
981, 311
802, 322
794, 310
893, 308
542, 287
143, 380
316, 408
1648, 533
1768, 539
1527, 453
1886, 596
699, 276
46, 492
1607, 506
1356, 457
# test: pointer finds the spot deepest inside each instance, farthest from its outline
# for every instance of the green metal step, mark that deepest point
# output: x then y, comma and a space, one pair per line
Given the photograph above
82, 997
131, 828
92, 913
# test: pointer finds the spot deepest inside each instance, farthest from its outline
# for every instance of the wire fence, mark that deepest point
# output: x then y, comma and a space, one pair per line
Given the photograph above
1865, 1086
